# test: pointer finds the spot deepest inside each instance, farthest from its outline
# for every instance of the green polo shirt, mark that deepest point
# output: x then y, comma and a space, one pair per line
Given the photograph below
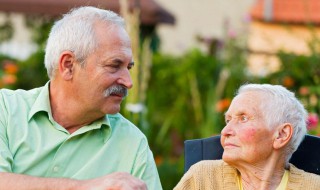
32, 143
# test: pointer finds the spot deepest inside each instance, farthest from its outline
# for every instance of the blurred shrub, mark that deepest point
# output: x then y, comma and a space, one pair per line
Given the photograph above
32, 72
26, 74
29, 73
8, 72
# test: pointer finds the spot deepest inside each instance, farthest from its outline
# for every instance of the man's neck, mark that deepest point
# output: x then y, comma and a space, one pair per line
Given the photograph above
67, 111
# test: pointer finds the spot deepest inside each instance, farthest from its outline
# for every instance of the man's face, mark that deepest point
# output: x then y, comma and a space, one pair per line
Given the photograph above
246, 139
105, 78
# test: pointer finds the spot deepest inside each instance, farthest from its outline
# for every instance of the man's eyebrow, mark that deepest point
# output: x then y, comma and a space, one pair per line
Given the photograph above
116, 60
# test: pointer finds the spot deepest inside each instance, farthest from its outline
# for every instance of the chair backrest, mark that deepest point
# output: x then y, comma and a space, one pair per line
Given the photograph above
307, 156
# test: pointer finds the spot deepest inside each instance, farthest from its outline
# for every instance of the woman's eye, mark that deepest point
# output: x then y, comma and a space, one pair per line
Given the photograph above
227, 120
244, 118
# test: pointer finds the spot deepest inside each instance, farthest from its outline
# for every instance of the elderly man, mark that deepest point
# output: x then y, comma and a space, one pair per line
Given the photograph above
69, 134
264, 126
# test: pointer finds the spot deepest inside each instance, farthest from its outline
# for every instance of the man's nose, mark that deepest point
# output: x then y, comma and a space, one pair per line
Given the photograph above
125, 79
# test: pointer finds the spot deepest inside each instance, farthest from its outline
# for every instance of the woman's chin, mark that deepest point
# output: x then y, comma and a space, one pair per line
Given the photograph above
229, 158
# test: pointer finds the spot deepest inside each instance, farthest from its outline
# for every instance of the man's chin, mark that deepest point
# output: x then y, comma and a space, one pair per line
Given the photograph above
114, 110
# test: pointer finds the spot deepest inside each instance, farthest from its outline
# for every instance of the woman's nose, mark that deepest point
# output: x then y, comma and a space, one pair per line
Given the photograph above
227, 130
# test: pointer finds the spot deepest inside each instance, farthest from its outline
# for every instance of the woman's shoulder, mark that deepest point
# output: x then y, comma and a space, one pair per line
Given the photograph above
306, 179
299, 172
210, 165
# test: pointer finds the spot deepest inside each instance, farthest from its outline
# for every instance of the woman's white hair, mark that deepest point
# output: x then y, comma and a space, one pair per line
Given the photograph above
280, 106
75, 32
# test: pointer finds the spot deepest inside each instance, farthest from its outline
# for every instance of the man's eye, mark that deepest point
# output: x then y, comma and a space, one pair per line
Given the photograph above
115, 66
227, 121
130, 66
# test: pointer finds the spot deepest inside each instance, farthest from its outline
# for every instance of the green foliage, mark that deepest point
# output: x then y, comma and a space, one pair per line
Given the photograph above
32, 72
26, 74
183, 95
175, 91
40, 28
29, 73
170, 171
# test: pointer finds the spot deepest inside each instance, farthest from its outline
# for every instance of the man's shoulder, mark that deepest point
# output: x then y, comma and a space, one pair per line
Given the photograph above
16, 104
19, 93
120, 124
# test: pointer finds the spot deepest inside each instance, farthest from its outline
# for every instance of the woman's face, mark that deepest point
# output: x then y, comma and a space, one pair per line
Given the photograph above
246, 138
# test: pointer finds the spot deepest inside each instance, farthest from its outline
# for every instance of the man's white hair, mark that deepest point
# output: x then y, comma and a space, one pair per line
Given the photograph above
75, 32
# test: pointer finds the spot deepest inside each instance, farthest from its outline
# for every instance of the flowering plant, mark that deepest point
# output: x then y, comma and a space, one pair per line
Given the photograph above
313, 121
8, 73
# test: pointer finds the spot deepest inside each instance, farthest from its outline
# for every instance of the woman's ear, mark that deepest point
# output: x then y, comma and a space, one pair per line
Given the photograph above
283, 135
67, 65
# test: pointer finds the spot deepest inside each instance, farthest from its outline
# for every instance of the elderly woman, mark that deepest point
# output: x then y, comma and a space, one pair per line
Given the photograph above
264, 126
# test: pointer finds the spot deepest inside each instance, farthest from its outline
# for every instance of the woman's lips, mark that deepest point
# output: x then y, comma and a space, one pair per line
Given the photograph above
229, 145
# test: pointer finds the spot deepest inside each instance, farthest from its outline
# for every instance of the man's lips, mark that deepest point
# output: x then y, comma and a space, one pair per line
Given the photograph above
118, 95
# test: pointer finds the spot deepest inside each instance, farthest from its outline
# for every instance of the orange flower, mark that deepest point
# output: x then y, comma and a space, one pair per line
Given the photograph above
158, 160
10, 67
288, 82
223, 105
304, 90
313, 100
8, 79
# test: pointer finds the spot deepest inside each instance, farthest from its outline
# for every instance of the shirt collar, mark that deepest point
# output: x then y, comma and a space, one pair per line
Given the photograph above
42, 102
103, 124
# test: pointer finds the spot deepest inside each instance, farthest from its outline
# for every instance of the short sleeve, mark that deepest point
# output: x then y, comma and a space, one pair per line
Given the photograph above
6, 158
145, 167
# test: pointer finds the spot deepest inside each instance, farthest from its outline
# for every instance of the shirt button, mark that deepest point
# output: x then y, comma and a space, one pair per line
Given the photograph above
56, 169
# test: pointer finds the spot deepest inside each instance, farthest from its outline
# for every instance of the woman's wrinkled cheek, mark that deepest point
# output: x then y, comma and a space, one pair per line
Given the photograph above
249, 135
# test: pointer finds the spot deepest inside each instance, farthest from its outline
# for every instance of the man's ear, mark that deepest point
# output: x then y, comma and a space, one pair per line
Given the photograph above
67, 65
283, 135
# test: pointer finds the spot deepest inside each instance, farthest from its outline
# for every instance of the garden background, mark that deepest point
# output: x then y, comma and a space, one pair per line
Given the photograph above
181, 97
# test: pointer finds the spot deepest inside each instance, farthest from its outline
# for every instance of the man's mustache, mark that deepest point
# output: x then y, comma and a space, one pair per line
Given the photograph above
116, 90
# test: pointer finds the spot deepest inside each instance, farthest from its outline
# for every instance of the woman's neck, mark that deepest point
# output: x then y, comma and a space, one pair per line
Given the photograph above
263, 176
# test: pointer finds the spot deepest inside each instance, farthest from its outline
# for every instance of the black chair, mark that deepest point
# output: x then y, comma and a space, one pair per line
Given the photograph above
307, 156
